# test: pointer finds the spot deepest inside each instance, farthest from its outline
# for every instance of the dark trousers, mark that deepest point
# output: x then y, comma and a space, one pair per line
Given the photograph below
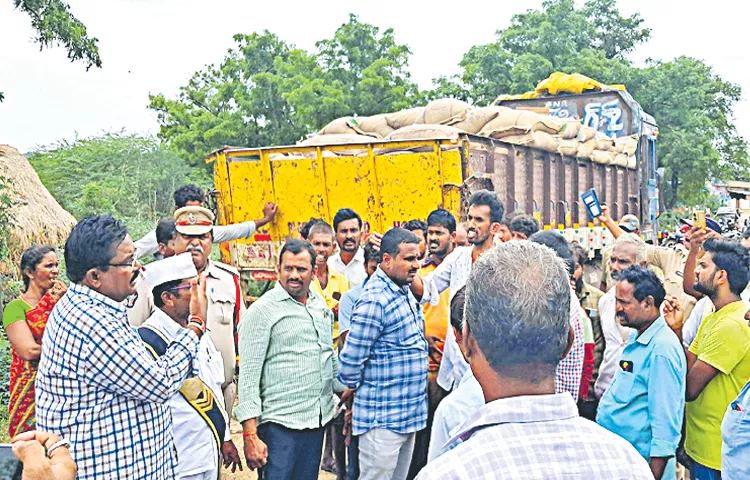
352, 470
292, 454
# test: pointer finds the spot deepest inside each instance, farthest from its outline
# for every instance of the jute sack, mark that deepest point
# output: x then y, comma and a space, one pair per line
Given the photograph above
603, 142
570, 128
376, 125
341, 126
568, 147
632, 162
627, 145
422, 131
518, 122
337, 139
585, 149
541, 140
404, 118
585, 134
621, 160
602, 156
477, 118
444, 111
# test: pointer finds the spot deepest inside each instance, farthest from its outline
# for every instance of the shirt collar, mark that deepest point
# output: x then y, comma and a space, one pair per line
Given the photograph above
164, 323
645, 337
730, 308
118, 307
283, 295
359, 257
522, 409
390, 283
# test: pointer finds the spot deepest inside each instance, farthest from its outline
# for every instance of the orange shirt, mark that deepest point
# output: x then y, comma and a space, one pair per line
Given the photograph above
436, 317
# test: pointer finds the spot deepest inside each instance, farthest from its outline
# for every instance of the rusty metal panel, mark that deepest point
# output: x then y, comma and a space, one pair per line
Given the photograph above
351, 182
528, 203
510, 181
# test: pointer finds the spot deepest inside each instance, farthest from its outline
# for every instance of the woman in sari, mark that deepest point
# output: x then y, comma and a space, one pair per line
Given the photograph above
24, 320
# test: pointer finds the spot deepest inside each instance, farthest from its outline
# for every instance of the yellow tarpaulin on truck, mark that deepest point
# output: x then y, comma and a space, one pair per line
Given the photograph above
560, 82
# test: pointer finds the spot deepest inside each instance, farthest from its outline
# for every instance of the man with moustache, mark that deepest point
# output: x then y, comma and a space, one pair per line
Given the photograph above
288, 371
484, 220
385, 362
644, 403
418, 228
97, 385
350, 259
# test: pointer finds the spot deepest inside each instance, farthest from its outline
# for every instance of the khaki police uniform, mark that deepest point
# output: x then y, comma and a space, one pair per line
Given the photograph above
143, 307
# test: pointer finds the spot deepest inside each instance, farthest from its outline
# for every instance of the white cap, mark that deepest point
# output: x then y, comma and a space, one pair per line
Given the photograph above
178, 267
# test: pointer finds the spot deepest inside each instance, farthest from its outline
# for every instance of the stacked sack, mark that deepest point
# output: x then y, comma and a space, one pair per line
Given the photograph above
447, 118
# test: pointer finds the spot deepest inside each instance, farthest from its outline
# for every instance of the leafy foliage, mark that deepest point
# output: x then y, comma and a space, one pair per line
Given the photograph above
269, 92
691, 103
129, 176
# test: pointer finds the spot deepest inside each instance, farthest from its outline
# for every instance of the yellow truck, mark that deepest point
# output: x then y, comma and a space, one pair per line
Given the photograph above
389, 182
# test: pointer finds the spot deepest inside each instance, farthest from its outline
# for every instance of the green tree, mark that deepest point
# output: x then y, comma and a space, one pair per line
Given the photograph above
691, 103
55, 25
267, 92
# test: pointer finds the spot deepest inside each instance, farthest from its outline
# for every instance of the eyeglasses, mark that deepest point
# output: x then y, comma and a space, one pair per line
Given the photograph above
125, 264
179, 287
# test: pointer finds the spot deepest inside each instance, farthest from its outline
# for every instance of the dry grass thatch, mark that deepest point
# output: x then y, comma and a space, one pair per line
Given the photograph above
37, 217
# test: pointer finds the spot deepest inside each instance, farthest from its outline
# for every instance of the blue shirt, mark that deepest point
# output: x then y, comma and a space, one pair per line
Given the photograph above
385, 359
735, 435
452, 412
346, 306
645, 402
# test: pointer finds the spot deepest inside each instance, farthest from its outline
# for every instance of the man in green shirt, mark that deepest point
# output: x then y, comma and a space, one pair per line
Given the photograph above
719, 357
287, 372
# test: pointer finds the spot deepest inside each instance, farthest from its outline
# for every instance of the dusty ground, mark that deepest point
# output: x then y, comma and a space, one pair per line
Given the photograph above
236, 429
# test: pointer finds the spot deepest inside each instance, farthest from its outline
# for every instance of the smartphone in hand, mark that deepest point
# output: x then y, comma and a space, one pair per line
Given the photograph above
591, 201
11, 468
699, 219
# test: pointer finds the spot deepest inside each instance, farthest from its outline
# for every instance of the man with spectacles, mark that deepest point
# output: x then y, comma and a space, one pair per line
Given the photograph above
199, 420
97, 385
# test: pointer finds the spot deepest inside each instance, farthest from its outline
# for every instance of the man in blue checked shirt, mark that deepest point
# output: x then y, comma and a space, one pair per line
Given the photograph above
644, 404
385, 362
98, 386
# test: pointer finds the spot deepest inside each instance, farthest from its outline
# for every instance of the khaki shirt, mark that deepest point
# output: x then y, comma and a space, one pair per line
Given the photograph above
144, 303
589, 299
671, 261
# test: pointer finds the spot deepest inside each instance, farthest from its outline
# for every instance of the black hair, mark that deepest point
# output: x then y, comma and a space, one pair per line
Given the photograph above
645, 283
371, 253
580, 255
159, 289
485, 197
746, 233
733, 258
31, 259
92, 244
525, 224
304, 230
559, 244
166, 230
188, 193
416, 224
343, 215
442, 218
296, 247
393, 239
457, 309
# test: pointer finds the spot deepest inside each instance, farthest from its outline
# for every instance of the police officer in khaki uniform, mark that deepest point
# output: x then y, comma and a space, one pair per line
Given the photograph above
194, 227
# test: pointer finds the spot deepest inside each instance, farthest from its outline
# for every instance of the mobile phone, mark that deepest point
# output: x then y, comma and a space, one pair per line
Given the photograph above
10, 467
699, 219
591, 201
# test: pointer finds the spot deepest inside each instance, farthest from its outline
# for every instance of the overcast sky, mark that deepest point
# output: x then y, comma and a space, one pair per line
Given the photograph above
153, 46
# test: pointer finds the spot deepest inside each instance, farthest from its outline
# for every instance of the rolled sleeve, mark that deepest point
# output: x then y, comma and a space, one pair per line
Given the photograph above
666, 403
437, 282
364, 331
227, 233
254, 335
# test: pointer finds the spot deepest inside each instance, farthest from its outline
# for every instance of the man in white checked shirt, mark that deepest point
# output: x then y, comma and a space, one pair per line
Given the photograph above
516, 330
97, 385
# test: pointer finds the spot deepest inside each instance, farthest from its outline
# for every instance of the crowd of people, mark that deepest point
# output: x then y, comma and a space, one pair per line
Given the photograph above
437, 350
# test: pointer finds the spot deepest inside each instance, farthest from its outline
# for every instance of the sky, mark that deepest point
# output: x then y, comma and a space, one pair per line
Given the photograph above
154, 46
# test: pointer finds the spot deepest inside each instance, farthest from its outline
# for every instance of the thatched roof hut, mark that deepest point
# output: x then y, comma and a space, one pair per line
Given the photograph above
37, 217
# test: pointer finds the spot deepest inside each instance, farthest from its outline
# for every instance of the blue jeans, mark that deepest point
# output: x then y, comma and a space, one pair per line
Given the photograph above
292, 454
702, 472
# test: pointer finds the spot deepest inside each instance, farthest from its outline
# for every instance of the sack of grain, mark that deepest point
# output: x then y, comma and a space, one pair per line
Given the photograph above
627, 145
341, 126
585, 134
444, 111
632, 162
602, 156
422, 131
540, 140
376, 125
337, 139
525, 139
621, 160
570, 128
603, 142
517, 122
585, 149
568, 147
477, 118
404, 118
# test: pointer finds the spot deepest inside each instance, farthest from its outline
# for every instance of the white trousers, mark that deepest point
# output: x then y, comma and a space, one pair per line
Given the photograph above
207, 475
384, 455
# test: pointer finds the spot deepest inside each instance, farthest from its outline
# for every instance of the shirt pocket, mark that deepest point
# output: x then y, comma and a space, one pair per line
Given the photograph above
622, 386
222, 307
735, 428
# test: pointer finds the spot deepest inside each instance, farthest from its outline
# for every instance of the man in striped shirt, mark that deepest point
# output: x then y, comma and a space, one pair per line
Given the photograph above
287, 372
385, 361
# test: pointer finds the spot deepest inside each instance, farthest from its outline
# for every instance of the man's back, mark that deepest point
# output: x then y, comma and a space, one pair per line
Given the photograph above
536, 437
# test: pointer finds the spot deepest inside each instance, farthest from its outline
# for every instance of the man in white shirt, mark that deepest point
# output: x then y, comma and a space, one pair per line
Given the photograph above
350, 259
190, 195
629, 249
199, 421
